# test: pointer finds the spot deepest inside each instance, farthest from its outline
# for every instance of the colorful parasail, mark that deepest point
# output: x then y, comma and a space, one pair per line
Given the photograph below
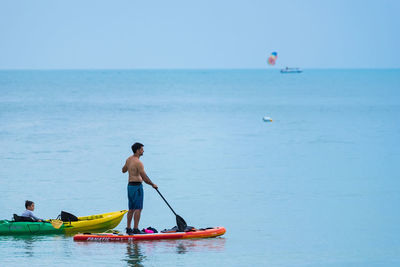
272, 58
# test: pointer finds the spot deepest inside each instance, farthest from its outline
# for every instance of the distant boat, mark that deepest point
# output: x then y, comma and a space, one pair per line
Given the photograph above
291, 70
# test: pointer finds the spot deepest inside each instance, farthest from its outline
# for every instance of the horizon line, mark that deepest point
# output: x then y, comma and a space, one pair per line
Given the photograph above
193, 69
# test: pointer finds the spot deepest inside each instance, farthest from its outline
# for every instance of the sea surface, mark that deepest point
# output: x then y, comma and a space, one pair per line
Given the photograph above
317, 186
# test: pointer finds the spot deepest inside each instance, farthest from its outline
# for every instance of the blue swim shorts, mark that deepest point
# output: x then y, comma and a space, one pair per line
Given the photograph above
135, 197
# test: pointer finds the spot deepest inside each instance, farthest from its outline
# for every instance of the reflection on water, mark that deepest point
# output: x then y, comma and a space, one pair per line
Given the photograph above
138, 251
197, 245
181, 249
26, 244
134, 255
29, 245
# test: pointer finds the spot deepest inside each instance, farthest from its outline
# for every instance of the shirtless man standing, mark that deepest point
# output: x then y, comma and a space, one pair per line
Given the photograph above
137, 175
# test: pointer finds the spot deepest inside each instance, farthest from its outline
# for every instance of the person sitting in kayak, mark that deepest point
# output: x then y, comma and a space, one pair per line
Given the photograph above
137, 175
30, 206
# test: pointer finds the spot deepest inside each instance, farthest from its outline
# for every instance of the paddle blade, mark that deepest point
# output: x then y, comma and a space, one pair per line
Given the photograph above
56, 223
180, 222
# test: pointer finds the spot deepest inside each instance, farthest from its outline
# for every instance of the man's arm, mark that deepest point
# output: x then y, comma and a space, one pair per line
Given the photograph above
125, 168
34, 217
146, 178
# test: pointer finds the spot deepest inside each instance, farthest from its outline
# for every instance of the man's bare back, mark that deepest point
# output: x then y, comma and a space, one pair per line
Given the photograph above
134, 167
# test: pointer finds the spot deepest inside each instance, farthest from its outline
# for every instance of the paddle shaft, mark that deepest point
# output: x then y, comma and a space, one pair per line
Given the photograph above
167, 203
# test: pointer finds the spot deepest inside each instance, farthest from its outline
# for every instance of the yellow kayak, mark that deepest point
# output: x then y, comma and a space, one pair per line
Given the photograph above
94, 223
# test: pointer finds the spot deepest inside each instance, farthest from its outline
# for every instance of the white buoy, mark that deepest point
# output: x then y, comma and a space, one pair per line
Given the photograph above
267, 119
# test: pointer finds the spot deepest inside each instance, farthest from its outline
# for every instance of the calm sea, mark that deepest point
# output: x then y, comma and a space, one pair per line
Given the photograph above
317, 186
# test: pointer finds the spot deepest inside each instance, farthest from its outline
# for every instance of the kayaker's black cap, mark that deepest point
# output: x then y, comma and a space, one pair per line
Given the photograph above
136, 146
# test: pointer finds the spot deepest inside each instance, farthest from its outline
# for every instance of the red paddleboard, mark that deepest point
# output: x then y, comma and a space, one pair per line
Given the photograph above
195, 233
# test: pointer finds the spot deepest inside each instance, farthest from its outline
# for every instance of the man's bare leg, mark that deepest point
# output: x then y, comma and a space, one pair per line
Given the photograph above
136, 218
129, 218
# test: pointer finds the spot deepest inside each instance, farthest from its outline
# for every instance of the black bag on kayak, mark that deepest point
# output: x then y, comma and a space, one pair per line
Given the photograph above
67, 217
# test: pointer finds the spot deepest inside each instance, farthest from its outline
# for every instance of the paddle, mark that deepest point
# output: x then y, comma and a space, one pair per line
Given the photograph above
56, 223
180, 222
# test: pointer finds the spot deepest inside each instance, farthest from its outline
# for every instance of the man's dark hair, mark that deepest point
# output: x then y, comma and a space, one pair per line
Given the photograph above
28, 203
136, 146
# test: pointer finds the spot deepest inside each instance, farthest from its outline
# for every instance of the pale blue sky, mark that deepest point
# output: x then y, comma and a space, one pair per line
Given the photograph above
133, 34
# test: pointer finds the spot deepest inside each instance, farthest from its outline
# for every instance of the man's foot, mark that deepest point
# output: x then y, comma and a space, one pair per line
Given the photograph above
137, 231
129, 231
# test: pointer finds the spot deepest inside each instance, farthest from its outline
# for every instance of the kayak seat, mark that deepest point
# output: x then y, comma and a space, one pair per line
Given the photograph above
22, 218
67, 217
